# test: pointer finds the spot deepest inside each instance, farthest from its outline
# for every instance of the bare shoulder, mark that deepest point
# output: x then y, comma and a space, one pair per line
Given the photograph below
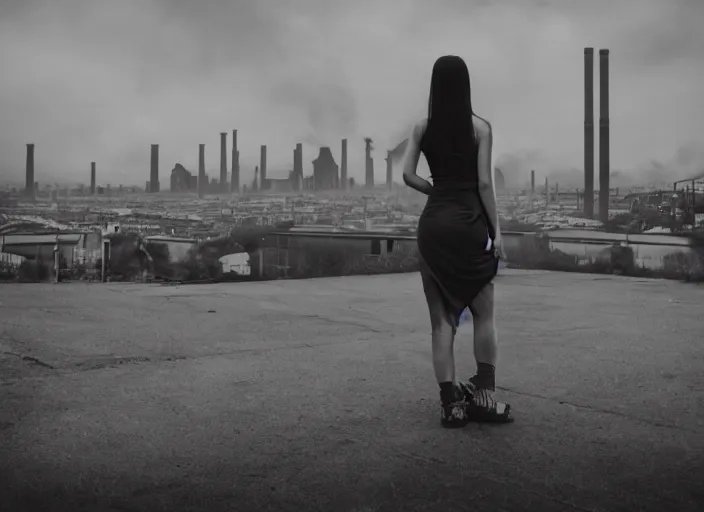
482, 127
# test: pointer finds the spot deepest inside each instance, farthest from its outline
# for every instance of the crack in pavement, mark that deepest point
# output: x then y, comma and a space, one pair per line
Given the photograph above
344, 322
114, 362
31, 359
652, 423
86, 366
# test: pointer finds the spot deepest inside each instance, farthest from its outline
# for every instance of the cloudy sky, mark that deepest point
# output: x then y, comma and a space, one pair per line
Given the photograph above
101, 80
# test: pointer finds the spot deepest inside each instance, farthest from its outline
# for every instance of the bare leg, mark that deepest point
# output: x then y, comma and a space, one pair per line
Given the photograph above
443, 331
452, 396
485, 345
485, 351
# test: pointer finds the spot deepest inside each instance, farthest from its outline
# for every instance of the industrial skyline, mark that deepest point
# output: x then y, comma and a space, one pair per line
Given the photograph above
325, 173
281, 86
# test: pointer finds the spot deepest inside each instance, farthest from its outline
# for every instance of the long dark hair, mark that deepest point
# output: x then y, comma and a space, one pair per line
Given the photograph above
450, 112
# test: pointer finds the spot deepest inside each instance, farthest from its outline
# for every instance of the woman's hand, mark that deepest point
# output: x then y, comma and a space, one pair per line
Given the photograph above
499, 251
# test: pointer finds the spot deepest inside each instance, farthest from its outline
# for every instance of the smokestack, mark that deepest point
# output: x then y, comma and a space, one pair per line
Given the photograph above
589, 133
547, 193
369, 164
223, 163
299, 149
262, 167
389, 171
604, 164
343, 165
29, 188
201, 170
298, 166
92, 178
235, 178
154, 173
532, 188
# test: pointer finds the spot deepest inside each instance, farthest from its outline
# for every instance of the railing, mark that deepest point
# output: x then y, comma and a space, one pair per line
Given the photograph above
370, 235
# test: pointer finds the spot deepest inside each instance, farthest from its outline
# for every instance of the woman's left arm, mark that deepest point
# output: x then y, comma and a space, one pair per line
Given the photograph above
410, 166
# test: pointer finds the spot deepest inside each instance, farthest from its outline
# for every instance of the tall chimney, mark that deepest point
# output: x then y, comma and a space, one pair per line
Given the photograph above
29, 188
343, 165
298, 166
154, 173
223, 163
235, 178
532, 189
547, 193
389, 172
299, 149
589, 133
262, 168
92, 178
369, 164
604, 164
201, 170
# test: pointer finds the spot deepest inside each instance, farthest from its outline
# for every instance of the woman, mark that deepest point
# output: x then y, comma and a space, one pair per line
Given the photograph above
459, 239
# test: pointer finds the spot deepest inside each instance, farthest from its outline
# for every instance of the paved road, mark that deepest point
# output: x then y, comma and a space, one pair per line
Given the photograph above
319, 395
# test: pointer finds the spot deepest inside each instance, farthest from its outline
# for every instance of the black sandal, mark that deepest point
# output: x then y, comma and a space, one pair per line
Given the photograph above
482, 408
454, 412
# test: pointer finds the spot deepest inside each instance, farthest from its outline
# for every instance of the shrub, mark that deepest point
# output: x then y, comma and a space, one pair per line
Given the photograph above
623, 260
33, 271
124, 263
199, 267
8, 272
684, 266
161, 259
324, 261
203, 260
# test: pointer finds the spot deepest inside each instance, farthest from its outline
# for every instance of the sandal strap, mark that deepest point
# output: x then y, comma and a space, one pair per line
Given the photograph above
483, 398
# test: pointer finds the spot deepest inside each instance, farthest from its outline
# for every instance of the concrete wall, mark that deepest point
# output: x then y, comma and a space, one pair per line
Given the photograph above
310, 254
649, 255
42, 247
178, 247
299, 256
652, 252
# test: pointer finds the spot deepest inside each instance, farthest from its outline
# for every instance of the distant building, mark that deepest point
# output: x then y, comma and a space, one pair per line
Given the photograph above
278, 184
325, 171
183, 180
309, 183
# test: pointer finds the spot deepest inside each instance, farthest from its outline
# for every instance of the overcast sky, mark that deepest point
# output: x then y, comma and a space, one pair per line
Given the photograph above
101, 80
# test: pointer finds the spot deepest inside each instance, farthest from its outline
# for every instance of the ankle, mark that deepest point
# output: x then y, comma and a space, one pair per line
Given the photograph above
449, 392
485, 377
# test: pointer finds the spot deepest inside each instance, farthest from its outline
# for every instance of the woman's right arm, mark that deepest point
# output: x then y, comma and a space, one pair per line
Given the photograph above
486, 179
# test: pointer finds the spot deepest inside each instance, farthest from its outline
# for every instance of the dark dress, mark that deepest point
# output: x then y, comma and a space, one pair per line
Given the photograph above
453, 231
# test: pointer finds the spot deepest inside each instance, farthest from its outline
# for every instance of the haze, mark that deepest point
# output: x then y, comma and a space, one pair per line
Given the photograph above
100, 80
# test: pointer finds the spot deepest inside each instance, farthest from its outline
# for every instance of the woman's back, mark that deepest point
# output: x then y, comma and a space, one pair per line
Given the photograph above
454, 230
453, 157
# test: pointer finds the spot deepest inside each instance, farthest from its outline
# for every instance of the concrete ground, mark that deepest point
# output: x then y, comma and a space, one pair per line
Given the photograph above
319, 395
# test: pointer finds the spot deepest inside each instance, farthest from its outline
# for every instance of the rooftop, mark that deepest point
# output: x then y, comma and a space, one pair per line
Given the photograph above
319, 395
